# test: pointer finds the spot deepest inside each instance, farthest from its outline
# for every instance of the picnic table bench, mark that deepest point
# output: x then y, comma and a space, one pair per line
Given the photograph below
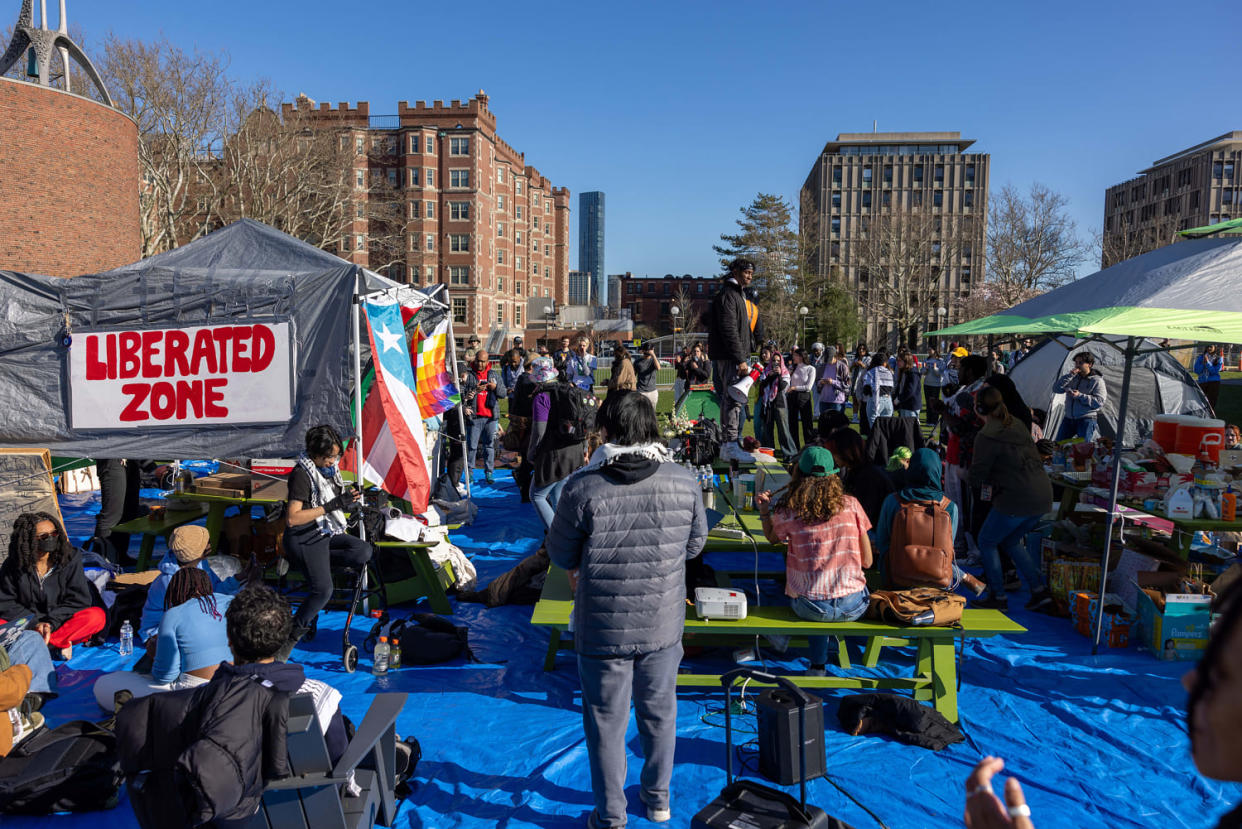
152, 526
935, 673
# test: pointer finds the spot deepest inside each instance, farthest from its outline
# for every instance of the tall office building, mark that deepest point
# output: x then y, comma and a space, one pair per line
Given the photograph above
580, 289
1198, 186
924, 181
441, 197
591, 243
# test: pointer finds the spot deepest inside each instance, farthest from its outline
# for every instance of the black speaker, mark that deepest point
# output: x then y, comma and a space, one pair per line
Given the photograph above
777, 711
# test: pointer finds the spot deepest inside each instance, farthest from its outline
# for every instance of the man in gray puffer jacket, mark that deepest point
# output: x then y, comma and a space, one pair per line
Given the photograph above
624, 527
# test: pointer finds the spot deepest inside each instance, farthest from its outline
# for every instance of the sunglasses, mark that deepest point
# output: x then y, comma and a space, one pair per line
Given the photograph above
52, 534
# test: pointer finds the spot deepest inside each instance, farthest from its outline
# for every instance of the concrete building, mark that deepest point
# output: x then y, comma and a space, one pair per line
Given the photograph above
650, 300
591, 242
1197, 186
442, 198
581, 289
908, 183
614, 291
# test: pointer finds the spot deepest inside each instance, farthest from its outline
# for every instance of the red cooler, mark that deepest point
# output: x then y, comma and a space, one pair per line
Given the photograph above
1200, 434
1164, 431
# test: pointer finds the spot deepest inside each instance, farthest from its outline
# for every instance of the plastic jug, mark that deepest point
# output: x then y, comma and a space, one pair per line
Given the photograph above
1181, 504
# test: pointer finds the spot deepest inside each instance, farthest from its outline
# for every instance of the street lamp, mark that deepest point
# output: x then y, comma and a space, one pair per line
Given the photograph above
547, 322
941, 313
675, 311
803, 311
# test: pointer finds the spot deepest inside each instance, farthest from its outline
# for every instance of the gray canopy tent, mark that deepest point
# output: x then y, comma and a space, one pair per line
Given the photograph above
1187, 290
1159, 384
245, 273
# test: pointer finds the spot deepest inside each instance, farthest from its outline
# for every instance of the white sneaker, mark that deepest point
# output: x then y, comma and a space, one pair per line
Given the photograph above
659, 815
24, 725
733, 451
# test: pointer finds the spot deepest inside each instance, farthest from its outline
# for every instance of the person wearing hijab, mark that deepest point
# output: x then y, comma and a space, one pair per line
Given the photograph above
922, 484
774, 385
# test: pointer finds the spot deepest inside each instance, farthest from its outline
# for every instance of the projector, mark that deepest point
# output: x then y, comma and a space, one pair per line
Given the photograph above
719, 603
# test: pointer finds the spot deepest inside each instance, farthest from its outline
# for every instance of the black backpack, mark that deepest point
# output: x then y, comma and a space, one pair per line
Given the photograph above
426, 639
71, 768
573, 413
703, 443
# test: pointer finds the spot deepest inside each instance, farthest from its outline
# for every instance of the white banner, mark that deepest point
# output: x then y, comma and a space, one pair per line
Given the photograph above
205, 375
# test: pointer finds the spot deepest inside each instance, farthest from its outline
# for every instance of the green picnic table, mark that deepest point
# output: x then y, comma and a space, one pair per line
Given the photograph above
935, 672
430, 579
151, 526
217, 505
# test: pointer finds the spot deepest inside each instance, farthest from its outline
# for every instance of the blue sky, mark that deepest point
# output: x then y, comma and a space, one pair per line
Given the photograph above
682, 111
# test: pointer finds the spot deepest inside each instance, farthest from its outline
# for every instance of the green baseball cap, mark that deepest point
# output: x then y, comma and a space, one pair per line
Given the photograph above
817, 462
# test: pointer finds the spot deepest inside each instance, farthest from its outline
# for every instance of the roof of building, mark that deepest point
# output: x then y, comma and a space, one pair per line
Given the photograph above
1234, 137
846, 139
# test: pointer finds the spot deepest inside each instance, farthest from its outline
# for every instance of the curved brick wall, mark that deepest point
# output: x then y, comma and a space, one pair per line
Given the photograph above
69, 173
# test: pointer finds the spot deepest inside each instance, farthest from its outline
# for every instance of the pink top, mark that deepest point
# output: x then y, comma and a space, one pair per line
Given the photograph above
825, 558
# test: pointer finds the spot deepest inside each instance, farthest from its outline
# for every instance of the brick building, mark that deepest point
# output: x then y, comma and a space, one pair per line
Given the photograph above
70, 169
442, 198
651, 299
1197, 186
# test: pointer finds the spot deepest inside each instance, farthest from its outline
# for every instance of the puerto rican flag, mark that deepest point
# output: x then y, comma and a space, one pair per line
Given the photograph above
394, 442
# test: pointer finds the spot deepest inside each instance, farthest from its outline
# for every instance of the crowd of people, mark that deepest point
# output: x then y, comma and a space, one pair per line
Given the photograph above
868, 439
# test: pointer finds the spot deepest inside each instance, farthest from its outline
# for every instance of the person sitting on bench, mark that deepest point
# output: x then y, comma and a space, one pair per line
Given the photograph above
190, 643
42, 580
828, 549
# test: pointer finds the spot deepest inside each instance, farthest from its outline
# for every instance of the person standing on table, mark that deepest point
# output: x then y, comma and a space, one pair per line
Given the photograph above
624, 530
1207, 371
1008, 472
1085, 396
482, 387
734, 329
316, 538
828, 548
580, 366
645, 369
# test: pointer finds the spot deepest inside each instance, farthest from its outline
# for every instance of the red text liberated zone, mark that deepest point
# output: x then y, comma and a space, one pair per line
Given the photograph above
181, 376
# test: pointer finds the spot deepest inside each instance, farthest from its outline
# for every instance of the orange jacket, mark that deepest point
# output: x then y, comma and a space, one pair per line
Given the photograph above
14, 683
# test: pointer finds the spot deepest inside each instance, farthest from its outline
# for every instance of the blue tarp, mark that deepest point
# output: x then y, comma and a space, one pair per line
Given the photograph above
1096, 741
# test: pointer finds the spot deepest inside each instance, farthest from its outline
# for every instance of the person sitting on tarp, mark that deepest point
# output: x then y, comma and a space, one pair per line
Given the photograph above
1214, 721
26, 647
316, 537
190, 643
42, 579
187, 547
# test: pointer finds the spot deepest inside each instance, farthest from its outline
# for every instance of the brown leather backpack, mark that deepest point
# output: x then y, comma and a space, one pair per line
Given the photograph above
920, 553
919, 606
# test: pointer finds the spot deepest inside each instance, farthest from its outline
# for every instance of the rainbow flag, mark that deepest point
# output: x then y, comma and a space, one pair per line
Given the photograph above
434, 387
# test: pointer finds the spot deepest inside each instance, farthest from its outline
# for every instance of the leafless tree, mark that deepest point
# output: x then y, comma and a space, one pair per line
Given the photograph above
903, 258
1033, 244
1127, 240
690, 319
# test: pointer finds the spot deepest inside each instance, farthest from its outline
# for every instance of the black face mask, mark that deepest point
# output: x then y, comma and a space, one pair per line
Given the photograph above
50, 544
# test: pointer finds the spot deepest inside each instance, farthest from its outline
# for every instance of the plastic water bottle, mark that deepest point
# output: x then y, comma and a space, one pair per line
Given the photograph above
127, 639
379, 666
394, 654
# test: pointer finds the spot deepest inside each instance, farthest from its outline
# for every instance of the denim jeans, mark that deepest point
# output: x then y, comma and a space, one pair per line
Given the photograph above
843, 609
908, 413
29, 650
879, 407
1087, 428
1008, 532
545, 498
482, 435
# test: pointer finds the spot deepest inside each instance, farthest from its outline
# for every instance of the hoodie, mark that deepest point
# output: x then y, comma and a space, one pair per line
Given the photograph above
1005, 457
291, 679
153, 610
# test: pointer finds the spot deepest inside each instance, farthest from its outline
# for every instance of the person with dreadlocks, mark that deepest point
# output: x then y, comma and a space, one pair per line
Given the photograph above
828, 548
190, 645
1214, 723
42, 579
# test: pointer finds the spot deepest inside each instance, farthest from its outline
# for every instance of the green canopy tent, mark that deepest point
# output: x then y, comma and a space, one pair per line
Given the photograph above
1188, 291
1233, 227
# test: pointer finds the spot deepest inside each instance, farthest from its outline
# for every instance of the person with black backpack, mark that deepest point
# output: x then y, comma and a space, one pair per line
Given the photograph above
562, 415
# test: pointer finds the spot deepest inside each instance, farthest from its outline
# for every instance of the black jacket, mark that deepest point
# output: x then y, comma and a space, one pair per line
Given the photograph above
63, 593
909, 393
729, 336
470, 391
203, 754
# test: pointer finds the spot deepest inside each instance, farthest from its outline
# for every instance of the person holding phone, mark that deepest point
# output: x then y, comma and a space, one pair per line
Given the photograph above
1207, 372
1085, 395
315, 538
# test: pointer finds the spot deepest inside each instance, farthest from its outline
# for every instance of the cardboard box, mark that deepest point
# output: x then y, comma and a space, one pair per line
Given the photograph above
228, 484
1066, 575
1117, 623
1180, 630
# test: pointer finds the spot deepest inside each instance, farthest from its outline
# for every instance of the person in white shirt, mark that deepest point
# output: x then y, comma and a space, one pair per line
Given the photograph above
878, 388
798, 398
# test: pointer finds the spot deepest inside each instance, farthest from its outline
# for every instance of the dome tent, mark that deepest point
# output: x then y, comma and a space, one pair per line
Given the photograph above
1159, 385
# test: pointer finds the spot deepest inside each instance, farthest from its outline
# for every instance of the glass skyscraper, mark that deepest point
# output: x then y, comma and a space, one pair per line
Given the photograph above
591, 244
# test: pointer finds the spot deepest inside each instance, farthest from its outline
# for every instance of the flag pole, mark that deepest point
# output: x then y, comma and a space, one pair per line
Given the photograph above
461, 417
358, 388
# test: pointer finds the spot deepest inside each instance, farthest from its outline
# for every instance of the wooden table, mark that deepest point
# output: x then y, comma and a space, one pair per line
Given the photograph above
151, 527
217, 505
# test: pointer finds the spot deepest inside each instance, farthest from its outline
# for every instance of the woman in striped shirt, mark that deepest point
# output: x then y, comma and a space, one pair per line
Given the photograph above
828, 548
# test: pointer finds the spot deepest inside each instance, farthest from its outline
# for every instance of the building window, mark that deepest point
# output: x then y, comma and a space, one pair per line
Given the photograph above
836, 176
500, 283
517, 288
1194, 200
1218, 169
500, 229
500, 313
430, 273
836, 225
970, 175
938, 174
413, 241
886, 199
358, 146
517, 237
547, 229
431, 241
500, 257
517, 211
518, 263
431, 145
517, 315
459, 210
414, 176
414, 143
416, 209
360, 178
459, 242
517, 186
836, 201
459, 310
360, 242
938, 198
965, 273
918, 174
867, 175
459, 275
888, 173
459, 146
866, 199
459, 178
547, 250
430, 212
500, 202
360, 210
413, 274
392, 177
500, 175
1229, 169
430, 177
546, 272
1226, 196
968, 198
